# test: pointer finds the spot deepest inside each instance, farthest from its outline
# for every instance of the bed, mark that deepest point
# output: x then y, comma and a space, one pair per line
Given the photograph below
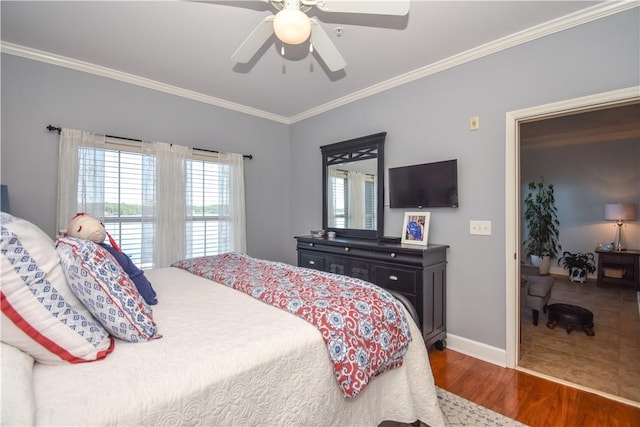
224, 358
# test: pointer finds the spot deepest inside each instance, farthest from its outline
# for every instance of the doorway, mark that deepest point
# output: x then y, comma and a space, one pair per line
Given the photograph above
512, 206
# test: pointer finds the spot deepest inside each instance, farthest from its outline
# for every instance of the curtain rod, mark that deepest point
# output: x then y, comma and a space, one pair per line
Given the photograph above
52, 128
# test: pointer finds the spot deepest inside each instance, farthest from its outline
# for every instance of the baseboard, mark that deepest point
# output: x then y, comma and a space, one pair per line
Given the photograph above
478, 350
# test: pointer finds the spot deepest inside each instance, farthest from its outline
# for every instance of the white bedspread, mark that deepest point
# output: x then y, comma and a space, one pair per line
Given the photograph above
227, 359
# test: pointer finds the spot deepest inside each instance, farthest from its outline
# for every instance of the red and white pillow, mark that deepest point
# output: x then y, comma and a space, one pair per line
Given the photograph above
40, 314
99, 281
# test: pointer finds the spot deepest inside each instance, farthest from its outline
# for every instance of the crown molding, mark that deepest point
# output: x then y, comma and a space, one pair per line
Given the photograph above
86, 67
550, 27
572, 20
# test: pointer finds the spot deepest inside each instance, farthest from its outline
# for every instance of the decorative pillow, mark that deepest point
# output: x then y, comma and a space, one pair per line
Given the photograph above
40, 314
106, 290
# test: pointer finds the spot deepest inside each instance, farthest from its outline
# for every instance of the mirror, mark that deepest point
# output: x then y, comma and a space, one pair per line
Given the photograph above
353, 187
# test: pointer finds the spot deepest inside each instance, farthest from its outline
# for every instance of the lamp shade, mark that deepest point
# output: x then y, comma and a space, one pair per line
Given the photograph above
620, 211
292, 26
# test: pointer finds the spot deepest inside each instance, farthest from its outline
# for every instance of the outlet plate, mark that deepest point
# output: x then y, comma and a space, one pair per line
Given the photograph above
482, 228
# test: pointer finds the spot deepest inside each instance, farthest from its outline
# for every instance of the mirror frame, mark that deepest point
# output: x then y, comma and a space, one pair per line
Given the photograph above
363, 148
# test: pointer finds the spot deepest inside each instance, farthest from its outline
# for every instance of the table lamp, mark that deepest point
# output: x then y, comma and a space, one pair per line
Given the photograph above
619, 212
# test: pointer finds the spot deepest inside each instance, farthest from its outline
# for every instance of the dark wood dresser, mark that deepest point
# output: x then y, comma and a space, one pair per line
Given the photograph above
417, 272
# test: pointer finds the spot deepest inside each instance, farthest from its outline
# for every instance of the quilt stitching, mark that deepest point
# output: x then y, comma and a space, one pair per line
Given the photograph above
363, 326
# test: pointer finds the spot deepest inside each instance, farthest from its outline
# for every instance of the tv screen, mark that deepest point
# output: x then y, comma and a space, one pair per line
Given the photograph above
429, 185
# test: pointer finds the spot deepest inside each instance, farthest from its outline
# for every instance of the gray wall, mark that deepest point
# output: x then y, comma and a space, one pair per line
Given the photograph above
36, 94
427, 120
585, 178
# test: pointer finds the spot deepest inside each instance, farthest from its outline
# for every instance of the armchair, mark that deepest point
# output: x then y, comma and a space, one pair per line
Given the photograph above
535, 291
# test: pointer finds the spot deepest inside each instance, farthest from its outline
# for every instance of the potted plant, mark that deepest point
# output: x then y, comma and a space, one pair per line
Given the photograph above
578, 264
541, 217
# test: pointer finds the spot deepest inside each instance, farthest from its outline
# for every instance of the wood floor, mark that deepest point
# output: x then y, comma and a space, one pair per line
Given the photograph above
529, 399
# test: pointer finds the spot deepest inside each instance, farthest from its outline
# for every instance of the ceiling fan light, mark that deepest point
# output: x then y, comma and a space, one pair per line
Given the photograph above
292, 26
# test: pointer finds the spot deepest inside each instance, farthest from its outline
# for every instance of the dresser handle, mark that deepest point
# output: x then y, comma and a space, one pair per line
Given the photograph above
393, 277
393, 254
346, 249
311, 244
312, 263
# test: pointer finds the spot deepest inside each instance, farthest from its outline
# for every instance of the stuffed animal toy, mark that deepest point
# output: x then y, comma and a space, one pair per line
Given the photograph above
85, 226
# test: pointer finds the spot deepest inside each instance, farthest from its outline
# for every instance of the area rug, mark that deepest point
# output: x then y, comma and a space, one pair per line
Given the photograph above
461, 412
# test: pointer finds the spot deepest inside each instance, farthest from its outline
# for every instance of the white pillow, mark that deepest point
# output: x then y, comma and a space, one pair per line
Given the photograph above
40, 314
106, 290
18, 405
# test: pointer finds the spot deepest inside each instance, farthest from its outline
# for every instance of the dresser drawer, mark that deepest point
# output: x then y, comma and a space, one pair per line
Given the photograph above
395, 278
417, 273
360, 269
311, 261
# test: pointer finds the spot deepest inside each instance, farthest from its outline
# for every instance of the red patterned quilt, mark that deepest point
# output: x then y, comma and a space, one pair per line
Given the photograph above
363, 326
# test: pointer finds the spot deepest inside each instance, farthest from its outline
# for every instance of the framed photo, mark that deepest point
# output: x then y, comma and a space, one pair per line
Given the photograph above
415, 229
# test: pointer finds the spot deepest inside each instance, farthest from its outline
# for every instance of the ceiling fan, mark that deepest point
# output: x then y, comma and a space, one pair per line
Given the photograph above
291, 25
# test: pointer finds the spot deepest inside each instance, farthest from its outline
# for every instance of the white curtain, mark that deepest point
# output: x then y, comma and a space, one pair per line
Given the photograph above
234, 194
356, 199
163, 180
165, 207
90, 196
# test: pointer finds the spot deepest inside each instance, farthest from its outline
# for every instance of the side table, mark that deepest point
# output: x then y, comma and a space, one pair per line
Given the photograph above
619, 268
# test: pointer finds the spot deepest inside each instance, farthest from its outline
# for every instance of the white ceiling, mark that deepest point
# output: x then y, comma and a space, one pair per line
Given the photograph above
185, 47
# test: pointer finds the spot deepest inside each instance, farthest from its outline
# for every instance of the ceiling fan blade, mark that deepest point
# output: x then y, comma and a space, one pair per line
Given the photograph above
256, 39
327, 51
376, 7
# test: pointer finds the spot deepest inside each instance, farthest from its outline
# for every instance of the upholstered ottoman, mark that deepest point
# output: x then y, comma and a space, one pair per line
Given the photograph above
571, 315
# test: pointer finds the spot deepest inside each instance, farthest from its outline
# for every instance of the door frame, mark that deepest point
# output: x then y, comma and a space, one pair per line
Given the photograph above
512, 193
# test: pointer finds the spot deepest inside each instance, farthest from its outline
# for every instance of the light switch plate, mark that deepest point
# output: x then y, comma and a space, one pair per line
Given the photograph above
482, 228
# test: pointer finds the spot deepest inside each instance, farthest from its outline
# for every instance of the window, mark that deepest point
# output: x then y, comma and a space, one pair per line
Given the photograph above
120, 184
208, 219
340, 197
353, 200
370, 202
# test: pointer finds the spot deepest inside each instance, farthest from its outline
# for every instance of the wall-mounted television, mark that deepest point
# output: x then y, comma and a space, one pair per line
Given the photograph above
429, 185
